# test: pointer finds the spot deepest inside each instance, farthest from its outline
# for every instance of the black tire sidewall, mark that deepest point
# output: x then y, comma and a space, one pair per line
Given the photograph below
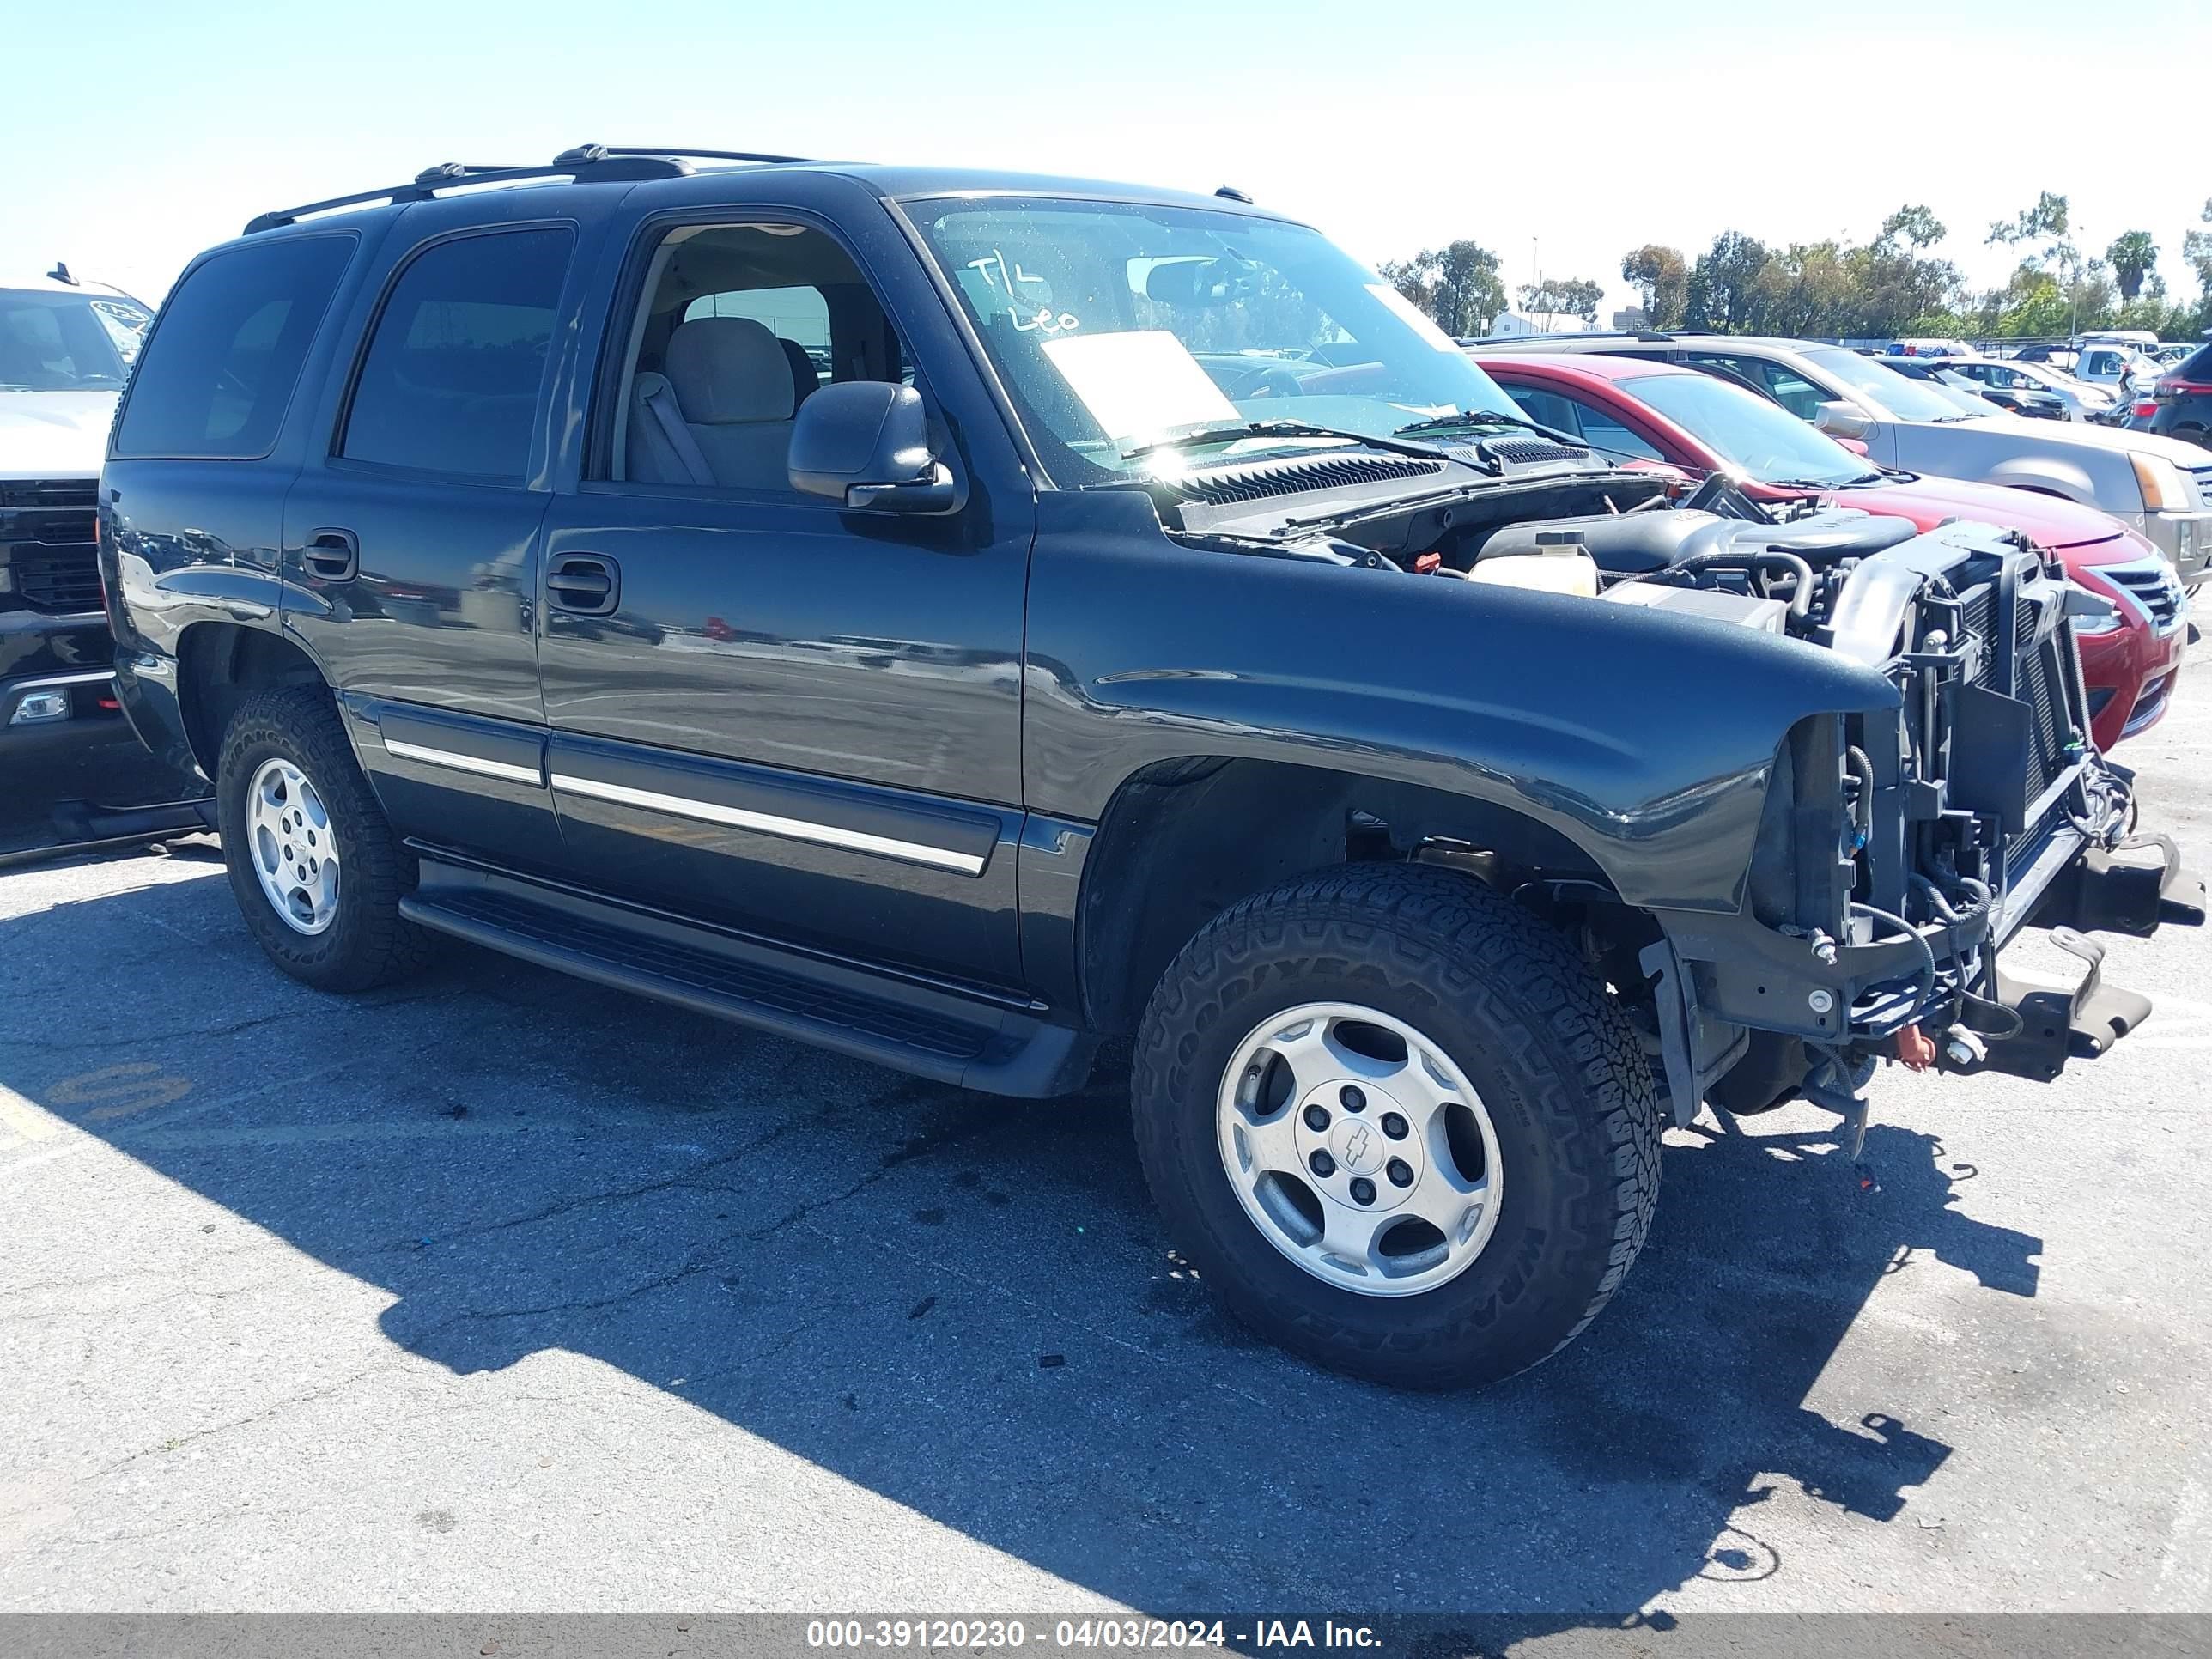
1545, 1268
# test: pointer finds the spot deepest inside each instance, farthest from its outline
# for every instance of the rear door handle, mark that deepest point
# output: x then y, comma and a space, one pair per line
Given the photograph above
332, 554
585, 584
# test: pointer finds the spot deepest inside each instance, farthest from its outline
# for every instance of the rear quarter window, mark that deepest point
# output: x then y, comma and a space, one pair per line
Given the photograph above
450, 381
215, 380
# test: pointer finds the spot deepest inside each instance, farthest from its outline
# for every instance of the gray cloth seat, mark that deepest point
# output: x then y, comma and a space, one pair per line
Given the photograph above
719, 413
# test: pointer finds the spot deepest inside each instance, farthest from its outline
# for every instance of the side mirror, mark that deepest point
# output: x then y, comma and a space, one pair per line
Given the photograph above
1840, 420
864, 445
1857, 445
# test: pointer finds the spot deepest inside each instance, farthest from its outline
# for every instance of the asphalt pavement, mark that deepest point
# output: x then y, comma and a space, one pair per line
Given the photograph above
501, 1291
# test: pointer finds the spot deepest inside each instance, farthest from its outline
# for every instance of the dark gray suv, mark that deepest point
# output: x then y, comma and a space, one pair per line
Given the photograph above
984, 623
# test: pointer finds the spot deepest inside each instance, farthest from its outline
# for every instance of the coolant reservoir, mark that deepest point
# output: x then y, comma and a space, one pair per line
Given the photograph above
1560, 564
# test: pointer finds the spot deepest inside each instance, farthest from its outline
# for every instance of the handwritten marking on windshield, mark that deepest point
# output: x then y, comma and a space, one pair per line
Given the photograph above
998, 274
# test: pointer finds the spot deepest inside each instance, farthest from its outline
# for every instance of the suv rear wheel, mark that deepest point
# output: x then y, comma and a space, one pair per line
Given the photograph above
1398, 1125
316, 869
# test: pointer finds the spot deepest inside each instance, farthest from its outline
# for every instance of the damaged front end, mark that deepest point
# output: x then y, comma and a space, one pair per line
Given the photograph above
1973, 809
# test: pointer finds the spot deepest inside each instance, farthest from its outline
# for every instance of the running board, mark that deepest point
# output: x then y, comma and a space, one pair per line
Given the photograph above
84, 820
934, 1033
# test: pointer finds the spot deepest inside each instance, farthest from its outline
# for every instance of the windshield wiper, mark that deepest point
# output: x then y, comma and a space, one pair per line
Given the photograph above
1481, 417
1224, 435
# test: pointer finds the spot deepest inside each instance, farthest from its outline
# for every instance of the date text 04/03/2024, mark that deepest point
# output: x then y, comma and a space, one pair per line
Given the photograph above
1135, 1633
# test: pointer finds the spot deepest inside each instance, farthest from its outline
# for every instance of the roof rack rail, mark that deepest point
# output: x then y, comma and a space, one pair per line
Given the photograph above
596, 163
681, 151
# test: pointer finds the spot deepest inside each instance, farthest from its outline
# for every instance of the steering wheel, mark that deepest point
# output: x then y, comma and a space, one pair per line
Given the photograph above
1274, 382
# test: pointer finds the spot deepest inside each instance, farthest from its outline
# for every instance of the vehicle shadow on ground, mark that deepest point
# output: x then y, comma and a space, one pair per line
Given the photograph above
967, 1304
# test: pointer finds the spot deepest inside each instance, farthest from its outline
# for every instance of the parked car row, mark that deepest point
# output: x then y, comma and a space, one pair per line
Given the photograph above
2124, 379
2153, 484
1974, 396
2078, 400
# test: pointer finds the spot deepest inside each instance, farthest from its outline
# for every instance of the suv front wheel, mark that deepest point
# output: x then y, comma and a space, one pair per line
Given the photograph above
316, 869
1398, 1125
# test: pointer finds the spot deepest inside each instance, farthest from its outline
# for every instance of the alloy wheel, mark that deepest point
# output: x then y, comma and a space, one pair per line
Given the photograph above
1359, 1149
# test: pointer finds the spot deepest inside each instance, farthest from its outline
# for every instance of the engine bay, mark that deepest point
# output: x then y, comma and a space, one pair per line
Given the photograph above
1904, 845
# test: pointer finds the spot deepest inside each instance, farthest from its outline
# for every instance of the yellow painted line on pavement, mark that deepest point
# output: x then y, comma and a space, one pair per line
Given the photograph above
25, 1120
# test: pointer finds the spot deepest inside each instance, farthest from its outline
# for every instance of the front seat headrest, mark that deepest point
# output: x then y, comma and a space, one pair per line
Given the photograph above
727, 371
806, 379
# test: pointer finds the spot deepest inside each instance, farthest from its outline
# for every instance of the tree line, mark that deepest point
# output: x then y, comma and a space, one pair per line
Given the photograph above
1889, 286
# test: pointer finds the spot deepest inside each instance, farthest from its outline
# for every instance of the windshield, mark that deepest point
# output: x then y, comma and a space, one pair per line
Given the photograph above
1761, 438
1902, 396
1113, 326
67, 341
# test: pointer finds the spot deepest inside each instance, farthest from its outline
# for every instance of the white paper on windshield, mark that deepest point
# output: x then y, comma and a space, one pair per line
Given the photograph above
1139, 382
1413, 316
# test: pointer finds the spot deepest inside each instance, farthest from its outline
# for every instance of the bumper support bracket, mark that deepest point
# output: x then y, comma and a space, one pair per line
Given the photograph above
2110, 892
2058, 1024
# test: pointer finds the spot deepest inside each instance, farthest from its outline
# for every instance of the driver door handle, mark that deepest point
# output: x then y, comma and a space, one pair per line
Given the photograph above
332, 554
585, 584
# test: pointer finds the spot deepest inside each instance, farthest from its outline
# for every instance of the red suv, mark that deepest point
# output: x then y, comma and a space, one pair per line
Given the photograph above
1636, 409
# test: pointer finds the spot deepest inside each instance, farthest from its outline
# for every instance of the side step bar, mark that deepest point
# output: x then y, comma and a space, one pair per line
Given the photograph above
84, 820
936, 1033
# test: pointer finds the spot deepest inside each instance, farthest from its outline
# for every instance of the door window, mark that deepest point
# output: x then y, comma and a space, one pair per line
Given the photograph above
1607, 435
216, 378
738, 326
450, 381
1597, 426
1547, 407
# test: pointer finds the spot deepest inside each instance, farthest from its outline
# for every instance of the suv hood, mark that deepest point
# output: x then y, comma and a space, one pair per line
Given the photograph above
54, 434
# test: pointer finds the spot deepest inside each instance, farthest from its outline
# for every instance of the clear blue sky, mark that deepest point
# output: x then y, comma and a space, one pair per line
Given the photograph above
142, 132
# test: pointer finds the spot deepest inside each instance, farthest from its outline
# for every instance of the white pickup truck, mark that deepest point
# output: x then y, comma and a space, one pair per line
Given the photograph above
2115, 365
65, 349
